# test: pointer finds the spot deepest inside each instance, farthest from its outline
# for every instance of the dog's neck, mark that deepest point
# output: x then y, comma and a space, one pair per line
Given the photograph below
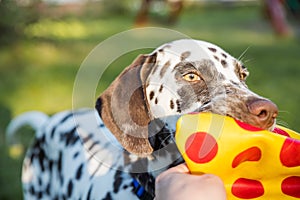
164, 156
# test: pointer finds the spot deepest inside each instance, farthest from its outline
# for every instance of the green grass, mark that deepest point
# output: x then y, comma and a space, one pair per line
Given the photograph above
38, 73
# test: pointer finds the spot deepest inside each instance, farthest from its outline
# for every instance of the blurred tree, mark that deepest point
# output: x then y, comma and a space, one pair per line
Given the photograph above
276, 13
116, 6
294, 6
175, 8
15, 17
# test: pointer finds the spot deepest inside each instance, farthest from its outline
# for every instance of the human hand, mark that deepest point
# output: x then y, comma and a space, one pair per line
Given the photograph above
177, 184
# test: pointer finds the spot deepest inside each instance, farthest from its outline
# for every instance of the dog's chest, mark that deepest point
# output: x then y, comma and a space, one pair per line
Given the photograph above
76, 157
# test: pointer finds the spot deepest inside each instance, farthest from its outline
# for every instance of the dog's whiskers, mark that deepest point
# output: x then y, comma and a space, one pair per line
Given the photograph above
284, 111
248, 60
282, 123
240, 58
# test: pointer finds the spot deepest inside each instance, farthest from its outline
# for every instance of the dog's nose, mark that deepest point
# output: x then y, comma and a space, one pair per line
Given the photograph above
263, 111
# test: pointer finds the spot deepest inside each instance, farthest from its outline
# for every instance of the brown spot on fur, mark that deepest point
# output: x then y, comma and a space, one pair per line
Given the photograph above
212, 49
161, 88
162, 50
224, 63
217, 58
172, 104
155, 68
151, 95
156, 101
185, 55
234, 83
151, 64
178, 106
224, 55
164, 68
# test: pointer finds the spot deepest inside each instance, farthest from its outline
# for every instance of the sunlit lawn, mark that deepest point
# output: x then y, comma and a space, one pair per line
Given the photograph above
38, 73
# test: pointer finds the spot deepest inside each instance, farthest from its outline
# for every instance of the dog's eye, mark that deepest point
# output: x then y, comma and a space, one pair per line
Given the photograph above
191, 77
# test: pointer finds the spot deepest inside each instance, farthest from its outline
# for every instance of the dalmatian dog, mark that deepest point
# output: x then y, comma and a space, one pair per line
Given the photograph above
118, 149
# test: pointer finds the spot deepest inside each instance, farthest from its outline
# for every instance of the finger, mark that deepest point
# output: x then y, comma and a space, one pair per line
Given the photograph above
182, 168
212, 185
179, 169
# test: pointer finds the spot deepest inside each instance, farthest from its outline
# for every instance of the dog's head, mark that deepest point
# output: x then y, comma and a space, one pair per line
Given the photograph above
179, 77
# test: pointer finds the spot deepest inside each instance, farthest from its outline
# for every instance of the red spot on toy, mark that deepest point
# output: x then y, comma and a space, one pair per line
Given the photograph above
252, 163
251, 154
201, 147
247, 127
247, 188
193, 113
281, 132
290, 153
291, 186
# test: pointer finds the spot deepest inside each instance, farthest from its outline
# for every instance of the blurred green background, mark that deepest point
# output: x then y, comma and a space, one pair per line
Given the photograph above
43, 44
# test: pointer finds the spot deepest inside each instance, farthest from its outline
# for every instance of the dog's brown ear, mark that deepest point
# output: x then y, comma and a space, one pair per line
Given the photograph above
123, 108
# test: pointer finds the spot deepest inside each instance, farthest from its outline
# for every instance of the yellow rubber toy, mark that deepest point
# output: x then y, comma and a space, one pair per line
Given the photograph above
253, 163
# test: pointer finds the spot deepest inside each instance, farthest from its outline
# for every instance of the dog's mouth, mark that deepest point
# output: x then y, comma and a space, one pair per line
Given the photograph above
260, 113
270, 126
166, 135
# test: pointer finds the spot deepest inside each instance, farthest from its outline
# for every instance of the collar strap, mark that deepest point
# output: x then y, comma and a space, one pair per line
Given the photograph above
140, 191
